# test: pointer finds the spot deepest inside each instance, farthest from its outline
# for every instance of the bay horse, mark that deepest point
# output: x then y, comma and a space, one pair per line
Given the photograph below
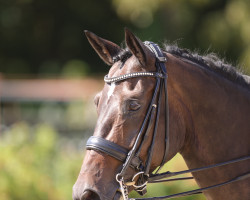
156, 103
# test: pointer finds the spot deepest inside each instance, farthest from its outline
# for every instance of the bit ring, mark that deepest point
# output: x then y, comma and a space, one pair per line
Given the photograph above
142, 185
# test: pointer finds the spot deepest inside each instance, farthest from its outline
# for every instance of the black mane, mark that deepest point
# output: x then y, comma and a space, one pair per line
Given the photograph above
209, 61
122, 56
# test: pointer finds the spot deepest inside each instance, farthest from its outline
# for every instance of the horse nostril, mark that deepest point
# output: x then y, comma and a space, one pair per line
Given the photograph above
90, 195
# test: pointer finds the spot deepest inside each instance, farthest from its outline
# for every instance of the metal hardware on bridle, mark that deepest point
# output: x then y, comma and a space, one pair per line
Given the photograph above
123, 187
132, 75
131, 158
134, 179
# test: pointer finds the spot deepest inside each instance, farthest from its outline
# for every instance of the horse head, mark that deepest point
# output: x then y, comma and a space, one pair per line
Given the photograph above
125, 109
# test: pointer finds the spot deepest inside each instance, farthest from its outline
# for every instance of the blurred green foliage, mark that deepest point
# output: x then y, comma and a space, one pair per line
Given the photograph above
74, 119
45, 38
37, 163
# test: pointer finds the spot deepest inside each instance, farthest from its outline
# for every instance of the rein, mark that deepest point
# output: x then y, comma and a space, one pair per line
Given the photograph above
131, 158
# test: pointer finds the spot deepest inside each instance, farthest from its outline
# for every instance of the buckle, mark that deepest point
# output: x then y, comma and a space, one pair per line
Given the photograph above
162, 59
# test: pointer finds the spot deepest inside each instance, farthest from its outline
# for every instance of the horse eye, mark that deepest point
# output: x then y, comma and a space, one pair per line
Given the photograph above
133, 106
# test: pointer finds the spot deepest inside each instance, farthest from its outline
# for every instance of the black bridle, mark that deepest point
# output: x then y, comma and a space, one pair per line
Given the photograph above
131, 158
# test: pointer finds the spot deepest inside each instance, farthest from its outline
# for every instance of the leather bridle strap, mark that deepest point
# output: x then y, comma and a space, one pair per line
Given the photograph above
197, 191
112, 149
168, 174
161, 59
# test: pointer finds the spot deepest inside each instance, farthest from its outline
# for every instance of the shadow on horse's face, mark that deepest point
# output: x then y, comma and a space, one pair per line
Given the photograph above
121, 109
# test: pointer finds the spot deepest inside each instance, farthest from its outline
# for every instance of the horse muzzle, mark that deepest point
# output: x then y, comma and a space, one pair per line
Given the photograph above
96, 180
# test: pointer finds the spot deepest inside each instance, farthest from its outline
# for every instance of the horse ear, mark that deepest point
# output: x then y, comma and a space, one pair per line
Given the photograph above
137, 47
104, 48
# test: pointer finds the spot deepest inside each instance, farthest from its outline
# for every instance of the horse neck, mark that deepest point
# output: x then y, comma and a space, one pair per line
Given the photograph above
216, 114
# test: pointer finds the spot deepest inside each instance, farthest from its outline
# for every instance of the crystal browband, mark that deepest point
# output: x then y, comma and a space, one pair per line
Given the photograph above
132, 75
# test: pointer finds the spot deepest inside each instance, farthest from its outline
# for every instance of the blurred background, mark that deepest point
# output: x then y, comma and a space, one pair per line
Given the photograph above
49, 75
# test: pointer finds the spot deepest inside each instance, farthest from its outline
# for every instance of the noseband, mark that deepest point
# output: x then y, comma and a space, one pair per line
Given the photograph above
131, 158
